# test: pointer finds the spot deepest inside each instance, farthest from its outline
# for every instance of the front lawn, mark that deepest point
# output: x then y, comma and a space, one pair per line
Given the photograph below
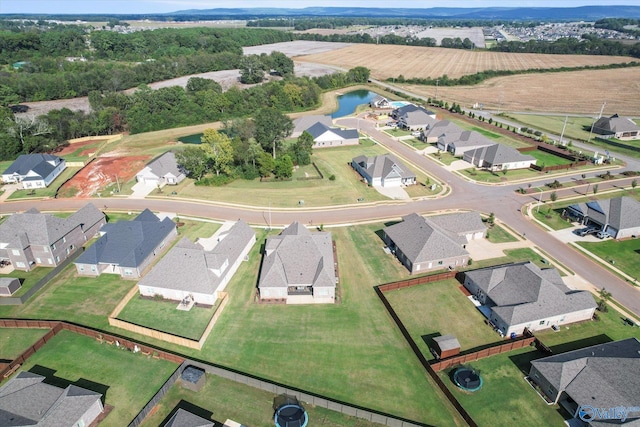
49, 191
625, 254
13, 341
547, 159
444, 157
498, 234
441, 308
511, 256
164, 316
398, 132
483, 175
127, 380
547, 215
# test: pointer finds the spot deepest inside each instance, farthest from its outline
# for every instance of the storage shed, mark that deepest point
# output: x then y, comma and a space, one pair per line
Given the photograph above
446, 346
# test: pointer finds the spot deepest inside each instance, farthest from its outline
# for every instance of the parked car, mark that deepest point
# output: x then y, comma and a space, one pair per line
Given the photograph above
602, 235
586, 231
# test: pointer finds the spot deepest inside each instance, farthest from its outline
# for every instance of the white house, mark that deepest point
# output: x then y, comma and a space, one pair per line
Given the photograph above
34, 170
384, 171
325, 136
161, 170
498, 157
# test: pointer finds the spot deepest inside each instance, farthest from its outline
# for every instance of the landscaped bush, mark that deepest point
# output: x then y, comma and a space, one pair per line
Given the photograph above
215, 181
554, 184
332, 178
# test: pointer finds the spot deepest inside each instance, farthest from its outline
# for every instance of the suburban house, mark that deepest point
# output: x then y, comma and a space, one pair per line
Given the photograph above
34, 170
305, 122
498, 157
9, 286
379, 102
384, 171
618, 217
183, 418
617, 127
440, 128
412, 117
432, 243
127, 247
26, 400
521, 296
325, 136
32, 239
191, 271
601, 376
459, 143
299, 267
162, 170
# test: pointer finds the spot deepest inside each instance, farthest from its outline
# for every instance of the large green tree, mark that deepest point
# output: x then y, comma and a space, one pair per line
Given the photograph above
272, 127
302, 149
252, 69
193, 160
217, 147
283, 167
266, 164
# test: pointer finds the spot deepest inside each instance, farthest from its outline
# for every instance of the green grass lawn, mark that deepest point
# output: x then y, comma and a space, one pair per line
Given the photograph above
625, 254
398, 132
13, 341
434, 308
511, 255
28, 278
416, 143
505, 397
49, 191
547, 159
498, 234
241, 403
494, 136
494, 177
128, 380
552, 217
444, 157
163, 316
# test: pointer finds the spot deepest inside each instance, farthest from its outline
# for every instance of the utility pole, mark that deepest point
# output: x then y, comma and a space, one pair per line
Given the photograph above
118, 182
437, 80
594, 120
563, 128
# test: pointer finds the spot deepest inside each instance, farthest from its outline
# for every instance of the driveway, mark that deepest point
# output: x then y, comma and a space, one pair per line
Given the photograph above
567, 235
458, 165
8, 190
141, 190
395, 193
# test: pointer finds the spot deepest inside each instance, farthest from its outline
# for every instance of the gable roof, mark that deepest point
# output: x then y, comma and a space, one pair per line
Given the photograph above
305, 122
447, 342
128, 243
26, 400
298, 257
614, 367
418, 117
165, 164
498, 154
615, 124
459, 223
465, 138
188, 267
384, 166
320, 129
41, 164
523, 292
184, 418
34, 228
623, 212
421, 240
443, 127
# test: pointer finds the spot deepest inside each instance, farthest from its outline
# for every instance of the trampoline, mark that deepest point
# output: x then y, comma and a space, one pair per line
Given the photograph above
467, 379
289, 412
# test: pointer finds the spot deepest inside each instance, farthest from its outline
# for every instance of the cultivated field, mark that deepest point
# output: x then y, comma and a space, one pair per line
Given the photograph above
386, 61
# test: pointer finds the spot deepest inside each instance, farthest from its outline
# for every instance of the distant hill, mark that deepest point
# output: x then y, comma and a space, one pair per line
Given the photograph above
586, 13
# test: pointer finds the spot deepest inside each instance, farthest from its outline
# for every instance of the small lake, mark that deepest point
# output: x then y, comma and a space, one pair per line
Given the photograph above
191, 139
348, 102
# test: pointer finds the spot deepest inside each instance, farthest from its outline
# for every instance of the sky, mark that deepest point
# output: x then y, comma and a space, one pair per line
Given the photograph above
163, 6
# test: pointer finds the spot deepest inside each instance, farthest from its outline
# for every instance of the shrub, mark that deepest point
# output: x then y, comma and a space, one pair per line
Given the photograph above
332, 177
215, 181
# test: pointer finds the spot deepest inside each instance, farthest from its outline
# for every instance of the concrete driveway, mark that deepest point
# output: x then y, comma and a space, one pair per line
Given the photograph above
141, 190
568, 235
395, 193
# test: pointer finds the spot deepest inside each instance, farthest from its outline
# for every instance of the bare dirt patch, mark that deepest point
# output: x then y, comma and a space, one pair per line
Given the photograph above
72, 148
295, 48
101, 173
386, 61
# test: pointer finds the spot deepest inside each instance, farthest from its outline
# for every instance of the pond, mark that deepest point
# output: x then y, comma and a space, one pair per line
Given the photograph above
348, 102
191, 139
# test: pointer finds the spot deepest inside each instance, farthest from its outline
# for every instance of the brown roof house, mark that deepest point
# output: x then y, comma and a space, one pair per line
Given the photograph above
32, 239
25, 400
299, 267
384, 171
192, 271
127, 247
521, 296
598, 385
433, 243
617, 127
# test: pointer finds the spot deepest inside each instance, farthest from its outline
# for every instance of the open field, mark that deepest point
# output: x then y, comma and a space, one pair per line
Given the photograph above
239, 402
441, 308
625, 254
296, 48
549, 92
127, 380
13, 341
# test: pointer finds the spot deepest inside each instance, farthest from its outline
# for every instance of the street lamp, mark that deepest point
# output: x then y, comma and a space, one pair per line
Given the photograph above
539, 200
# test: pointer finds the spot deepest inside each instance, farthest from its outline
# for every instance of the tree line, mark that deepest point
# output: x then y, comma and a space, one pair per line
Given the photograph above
588, 45
307, 23
623, 25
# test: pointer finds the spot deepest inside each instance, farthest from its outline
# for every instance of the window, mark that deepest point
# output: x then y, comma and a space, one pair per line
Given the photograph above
439, 262
49, 261
93, 268
15, 252
20, 264
128, 272
57, 259
38, 261
53, 247
541, 322
64, 239
535, 375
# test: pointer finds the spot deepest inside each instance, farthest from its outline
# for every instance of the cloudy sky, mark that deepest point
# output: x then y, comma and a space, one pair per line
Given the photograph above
162, 6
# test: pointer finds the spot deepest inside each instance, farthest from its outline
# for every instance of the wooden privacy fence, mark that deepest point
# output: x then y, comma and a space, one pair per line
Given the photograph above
440, 365
416, 281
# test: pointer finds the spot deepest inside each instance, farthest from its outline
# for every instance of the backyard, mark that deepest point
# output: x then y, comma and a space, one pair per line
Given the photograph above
127, 380
27, 278
547, 159
13, 341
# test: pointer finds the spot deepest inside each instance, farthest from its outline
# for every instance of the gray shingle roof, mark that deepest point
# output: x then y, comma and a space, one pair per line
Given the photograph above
443, 127
26, 400
498, 154
523, 292
384, 166
418, 117
615, 124
320, 129
128, 243
165, 164
39, 163
188, 267
623, 212
460, 223
447, 342
184, 418
305, 122
422, 240
604, 375
298, 257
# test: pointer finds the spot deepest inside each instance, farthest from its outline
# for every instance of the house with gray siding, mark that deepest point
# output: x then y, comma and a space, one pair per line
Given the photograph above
299, 267
31, 239
522, 296
498, 157
34, 170
127, 247
618, 217
26, 400
384, 171
601, 376
459, 143
162, 170
379, 102
432, 243
617, 127
325, 136
189, 270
